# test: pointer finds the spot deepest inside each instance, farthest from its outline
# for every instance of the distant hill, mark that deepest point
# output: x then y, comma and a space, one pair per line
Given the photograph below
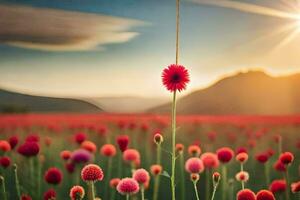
127, 104
253, 92
16, 102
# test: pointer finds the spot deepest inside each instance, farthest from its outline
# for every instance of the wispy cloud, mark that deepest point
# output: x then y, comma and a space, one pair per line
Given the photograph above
249, 8
60, 30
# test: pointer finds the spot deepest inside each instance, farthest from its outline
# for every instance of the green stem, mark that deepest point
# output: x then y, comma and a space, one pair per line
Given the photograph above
109, 163
3, 191
127, 196
267, 174
158, 154
243, 185
196, 190
287, 191
120, 164
91, 191
207, 188
182, 176
173, 144
224, 181
214, 192
242, 167
31, 168
17, 184
156, 187
142, 192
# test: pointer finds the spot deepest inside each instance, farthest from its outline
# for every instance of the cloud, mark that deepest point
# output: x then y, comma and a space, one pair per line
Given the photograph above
60, 30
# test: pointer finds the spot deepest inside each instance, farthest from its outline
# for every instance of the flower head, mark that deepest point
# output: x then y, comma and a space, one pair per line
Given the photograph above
141, 176
210, 160
122, 141
92, 172
89, 146
158, 138
279, 166
156, 170
245, 194
50, 194
216, 177
225, 154
53, 176
108, 150
113, 183
79, 137
179, 148
13, 141
265, 195
175, 77
194, 177
128, 186
25, 197
262, 157
242, 157
242, 176
4, 161
194, 165
81, 156
131, 155
194, 150
286, 158
29, 149
4, 146
278, 186
65, 155
77, 192
295, 187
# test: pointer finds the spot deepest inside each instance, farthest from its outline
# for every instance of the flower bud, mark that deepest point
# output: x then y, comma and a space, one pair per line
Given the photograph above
158, 138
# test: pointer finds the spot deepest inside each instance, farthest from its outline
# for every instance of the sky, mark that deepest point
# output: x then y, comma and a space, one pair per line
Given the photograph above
100, 48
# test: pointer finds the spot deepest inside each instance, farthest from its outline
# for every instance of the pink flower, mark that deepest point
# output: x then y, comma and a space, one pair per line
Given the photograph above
175, 77
128, 186
108, 150
141, 176
210, 160
92, 172
194, 165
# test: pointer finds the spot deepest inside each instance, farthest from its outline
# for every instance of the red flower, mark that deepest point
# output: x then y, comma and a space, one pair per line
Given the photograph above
286, 158
245, 194
113, 183
156, 170
89, 146
194, 165
50, 194
70, 167
141, 176
128, 186
92, 172
29, 149
4, 146
32, 138
295, 187
77, 192
79, 137
210, 160
108, 150
241, 150
131, 155
53, 176
13, 141
175, 77
5, 161
65, 155
123, 141
265, 195
179, 148
242, 157
225, 154
262, 157
278, 186
25, 197
194, 150
279, 166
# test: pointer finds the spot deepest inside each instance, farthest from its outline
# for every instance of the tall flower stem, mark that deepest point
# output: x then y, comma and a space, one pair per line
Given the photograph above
182, 176
173, 145
3, 191
156, 187
142, 192
207, 179
267, 174
224, 182
109, 166
287, 191
17, 184
91, 191
196, 190
127, 196
214, 192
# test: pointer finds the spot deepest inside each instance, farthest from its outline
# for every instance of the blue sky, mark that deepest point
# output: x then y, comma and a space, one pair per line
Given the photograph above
214, 41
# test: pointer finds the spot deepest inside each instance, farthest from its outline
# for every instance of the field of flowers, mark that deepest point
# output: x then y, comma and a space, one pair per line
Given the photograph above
43, 156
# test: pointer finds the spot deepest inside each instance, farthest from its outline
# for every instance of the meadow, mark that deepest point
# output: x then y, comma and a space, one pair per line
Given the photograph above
59, 137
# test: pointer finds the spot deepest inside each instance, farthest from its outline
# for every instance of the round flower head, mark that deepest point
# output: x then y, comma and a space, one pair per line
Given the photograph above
77, 192
81, 156
156, 170
50, 194
210, 160
245, 194
242, 157
241, 150
158, 138
194, 177
13, 141
225, 154
4, 146
65, 155
4, 161
265, 195
279, 166
194, 150
141, 176
32, 138
278, 186
89, 146
108, 150
79, 137
295, 187
92, 173
262, 157
122, 141
70, 167
179, 148
242, 176
113, 183
131, 155
29, 149
175, 77
194, 165
128, 186
286, 158
53, 176
25, 197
